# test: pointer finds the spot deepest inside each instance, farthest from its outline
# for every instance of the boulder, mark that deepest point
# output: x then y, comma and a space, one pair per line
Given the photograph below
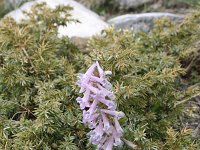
140, 22
90, 23
127, 4
13, 4
91, 3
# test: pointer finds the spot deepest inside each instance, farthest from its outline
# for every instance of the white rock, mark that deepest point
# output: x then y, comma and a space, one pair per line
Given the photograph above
90, 25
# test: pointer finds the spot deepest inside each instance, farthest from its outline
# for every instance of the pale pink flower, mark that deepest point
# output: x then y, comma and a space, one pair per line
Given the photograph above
99, 108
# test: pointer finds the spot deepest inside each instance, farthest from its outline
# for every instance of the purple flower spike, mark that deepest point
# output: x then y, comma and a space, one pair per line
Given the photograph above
97, 133
92, 108
113, 113
106, 122
99, 108
84, 104
93, 121
84, 101
97, 79
108, 144
117, 140
101, 143
106, 92
110, 104
101, 72
91, 88
118, 127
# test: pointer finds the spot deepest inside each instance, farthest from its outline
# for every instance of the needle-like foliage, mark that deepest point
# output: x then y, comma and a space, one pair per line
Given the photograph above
147, 78
37, 76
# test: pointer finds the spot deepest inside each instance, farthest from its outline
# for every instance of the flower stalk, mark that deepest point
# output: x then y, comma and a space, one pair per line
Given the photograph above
99, 108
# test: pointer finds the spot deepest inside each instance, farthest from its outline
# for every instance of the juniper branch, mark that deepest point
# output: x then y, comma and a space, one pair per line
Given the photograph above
29, 58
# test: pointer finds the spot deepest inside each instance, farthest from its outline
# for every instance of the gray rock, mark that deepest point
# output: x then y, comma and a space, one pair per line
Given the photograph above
127, 4
81, 43
12, 4
140, 22
90, 23
91, 3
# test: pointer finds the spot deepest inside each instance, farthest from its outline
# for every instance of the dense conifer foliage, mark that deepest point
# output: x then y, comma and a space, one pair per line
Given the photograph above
38, 108
153, 75
150, 80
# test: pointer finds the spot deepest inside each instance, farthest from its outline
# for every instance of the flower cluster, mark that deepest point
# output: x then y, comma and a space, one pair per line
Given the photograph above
99, 108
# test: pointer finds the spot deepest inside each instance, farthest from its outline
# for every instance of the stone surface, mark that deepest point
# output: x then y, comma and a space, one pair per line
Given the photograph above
81, 43
12, 4
91, 3
90, 23
127, 4
140, 22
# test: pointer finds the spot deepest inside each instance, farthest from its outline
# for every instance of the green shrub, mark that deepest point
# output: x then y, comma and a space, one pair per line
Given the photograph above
147, 78
179, 40
38, 74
